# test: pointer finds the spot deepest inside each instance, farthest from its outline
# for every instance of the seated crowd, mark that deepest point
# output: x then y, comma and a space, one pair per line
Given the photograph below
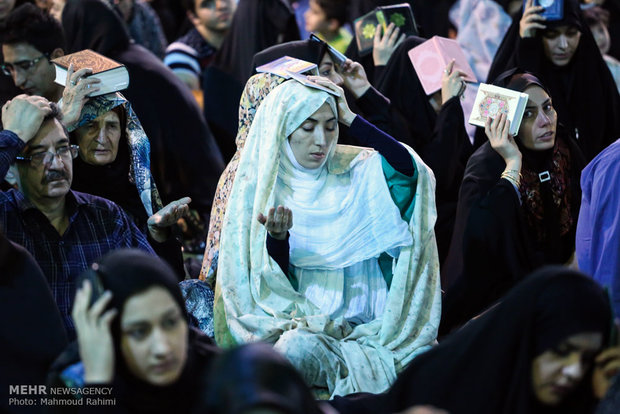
216, 240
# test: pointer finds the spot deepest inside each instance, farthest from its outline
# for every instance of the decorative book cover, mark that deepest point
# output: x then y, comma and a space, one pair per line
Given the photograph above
491, 101
303, 79
554, 9
400, 14
113, 75
286, 64
431, 57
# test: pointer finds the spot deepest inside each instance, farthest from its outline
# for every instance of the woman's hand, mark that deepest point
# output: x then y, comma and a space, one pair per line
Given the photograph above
384, 46
75, 94
345, 115
452, 83
606, 366
94, 338
354, 77
502, 142
531, 20
277, 222
160, 222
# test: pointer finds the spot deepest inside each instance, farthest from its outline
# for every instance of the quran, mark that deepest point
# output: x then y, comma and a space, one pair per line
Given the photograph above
286, 65
113, 75
491, 101
554, 9
431, 58
364, 26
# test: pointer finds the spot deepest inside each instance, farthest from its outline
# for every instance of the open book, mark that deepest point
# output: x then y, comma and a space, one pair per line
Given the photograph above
113, 75
491, 101
285, 65
399, 14
431, 57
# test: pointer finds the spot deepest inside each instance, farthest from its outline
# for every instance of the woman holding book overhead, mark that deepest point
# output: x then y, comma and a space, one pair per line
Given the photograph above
564, 55
518, 205
328, 250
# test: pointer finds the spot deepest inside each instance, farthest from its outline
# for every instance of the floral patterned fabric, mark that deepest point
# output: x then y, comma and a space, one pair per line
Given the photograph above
256, 89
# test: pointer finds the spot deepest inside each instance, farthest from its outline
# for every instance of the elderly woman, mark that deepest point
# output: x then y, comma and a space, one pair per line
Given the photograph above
114, 163
518, 205
133, 336
564, 55
350, 291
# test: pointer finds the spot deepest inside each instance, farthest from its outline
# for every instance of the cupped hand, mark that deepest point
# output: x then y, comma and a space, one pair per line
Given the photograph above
345, 115
354, 77
277, 222
160, 222
452, 83
531, 20
92, 325
384, 46
24, 115
77, 90
497, 130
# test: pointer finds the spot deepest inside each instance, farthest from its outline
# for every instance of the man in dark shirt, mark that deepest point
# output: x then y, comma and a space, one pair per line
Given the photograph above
64, 230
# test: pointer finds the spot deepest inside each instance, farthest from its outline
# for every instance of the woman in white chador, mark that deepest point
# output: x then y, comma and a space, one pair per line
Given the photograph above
328, 251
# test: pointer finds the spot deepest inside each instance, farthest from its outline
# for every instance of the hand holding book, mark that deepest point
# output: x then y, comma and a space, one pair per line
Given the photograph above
531, 20
384, 45
354, 78
497, 131
452, 83
345, 115
76, 93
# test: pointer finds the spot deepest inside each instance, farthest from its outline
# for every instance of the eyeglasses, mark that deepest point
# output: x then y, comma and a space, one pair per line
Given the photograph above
45, 158
25, 65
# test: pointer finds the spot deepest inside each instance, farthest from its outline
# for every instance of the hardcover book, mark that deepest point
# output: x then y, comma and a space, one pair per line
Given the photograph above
303, 79
338, 58
431, 57
286, 64
399, 14
491, 101
554, 9
113, 75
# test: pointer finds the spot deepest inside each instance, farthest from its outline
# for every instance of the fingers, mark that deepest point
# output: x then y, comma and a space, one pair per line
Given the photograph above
449, 67
393, 35
100, 304
261, 218
377, 39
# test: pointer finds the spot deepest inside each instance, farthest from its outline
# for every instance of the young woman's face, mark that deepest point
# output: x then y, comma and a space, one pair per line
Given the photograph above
601, 37
154, 336
327, 69
314, 137
560, 44
538, 127
558, 371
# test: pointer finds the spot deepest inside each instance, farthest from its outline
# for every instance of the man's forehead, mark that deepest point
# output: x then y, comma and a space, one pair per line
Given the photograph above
19, 51
50, 134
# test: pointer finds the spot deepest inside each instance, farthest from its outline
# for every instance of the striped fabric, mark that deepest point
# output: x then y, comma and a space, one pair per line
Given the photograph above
189, 54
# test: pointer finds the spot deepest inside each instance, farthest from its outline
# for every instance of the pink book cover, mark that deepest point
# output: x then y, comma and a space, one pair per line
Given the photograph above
431, 57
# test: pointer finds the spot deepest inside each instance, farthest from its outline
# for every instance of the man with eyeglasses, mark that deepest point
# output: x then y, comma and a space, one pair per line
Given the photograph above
64, 230
29, 42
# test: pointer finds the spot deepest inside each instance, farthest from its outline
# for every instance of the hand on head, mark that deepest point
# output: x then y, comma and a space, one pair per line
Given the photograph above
497, 130
76, 93
606, 367
354, 78
24, 115
384, 46
345, 115
92, 325
452, 83
277, 222
531, 20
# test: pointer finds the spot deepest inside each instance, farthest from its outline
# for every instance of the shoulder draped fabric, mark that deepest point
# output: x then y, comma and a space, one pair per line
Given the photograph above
255, 91
255, 300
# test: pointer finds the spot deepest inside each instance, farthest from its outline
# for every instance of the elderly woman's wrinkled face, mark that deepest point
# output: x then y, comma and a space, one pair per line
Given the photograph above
154, 336
312, 141
99, 139
558, 371
538, 127
560, 44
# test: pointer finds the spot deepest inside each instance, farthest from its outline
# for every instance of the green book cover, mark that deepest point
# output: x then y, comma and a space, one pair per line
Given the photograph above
399, 14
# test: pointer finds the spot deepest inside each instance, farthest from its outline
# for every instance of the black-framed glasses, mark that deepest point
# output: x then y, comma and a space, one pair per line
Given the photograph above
25, 65
65, 153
